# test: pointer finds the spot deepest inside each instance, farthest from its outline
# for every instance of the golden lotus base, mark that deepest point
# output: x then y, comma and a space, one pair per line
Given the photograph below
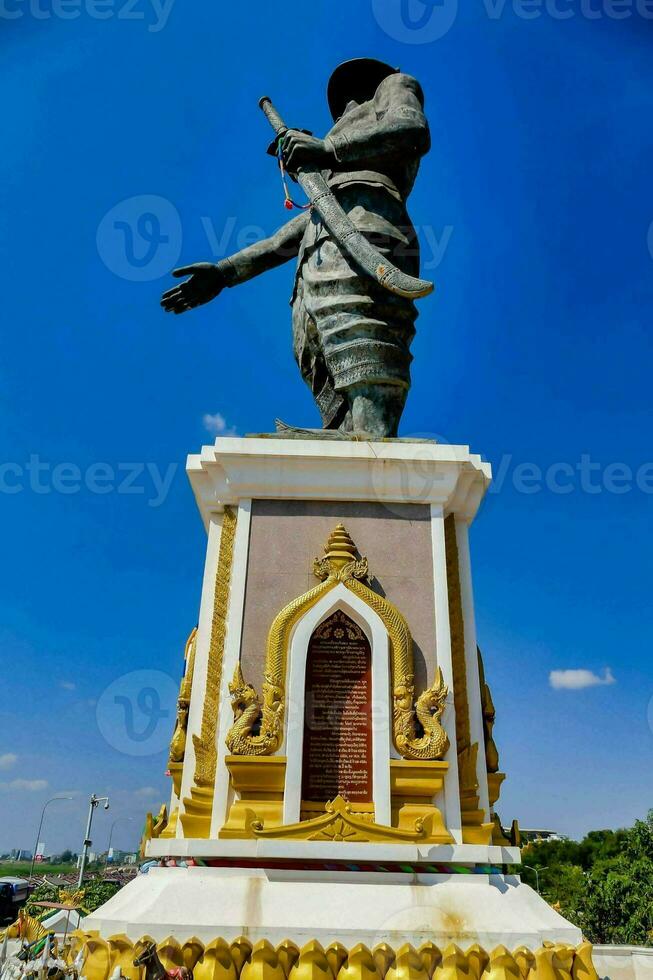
240, 960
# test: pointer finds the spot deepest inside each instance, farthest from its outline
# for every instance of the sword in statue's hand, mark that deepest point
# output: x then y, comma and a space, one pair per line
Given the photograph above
344, 232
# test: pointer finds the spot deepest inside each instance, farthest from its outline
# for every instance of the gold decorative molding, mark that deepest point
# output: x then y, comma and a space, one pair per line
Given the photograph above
154, 827
308, 810
240, 960
339, 566
413, 788
176, 770
196, 818
475, 829
494, 781
340, 822
489, 715
457, 629
171, 827
178, 741
259, 783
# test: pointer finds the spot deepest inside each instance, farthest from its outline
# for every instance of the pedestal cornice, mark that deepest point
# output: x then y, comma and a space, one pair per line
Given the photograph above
234, 469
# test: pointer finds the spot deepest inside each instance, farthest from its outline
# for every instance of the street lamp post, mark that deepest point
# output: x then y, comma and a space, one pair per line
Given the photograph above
92, 804
537, 875
117, 820
38, 832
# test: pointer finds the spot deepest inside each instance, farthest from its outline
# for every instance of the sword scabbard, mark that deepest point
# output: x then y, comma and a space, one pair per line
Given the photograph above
272, 116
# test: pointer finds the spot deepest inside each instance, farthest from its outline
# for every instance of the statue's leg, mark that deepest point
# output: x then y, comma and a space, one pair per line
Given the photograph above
374, 409
352, 342
310, 360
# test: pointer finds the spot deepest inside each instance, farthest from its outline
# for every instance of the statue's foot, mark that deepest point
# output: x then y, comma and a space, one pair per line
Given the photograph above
285, 431
375, 410
295, 432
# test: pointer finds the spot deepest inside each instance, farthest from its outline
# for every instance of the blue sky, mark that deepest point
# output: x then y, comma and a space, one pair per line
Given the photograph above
534, 209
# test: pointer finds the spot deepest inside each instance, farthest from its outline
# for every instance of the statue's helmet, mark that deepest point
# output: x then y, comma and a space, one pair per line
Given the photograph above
357, 79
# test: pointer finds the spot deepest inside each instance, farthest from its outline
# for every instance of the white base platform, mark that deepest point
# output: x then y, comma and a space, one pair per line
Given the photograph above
301, 850
624, 962
347, 907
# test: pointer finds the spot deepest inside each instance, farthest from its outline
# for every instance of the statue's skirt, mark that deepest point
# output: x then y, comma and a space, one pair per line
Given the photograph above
348, 330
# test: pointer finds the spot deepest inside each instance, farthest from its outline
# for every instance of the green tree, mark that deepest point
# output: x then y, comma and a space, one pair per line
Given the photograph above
603, 884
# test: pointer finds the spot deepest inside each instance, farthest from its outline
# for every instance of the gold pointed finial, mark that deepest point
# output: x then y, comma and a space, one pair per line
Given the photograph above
340, 549
340, 560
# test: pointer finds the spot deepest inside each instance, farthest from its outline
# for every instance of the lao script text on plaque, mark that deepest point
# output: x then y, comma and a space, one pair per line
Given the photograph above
338, 714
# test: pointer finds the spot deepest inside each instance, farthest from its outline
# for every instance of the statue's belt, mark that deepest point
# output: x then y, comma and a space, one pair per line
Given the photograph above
364, 177
341, 227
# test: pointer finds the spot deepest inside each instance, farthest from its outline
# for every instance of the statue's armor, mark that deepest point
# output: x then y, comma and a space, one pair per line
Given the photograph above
347, 329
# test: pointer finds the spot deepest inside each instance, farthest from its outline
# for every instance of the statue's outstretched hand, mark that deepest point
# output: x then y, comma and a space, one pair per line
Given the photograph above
205, 283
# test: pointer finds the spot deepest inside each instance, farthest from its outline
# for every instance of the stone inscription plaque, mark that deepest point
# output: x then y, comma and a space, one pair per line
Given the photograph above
338, 714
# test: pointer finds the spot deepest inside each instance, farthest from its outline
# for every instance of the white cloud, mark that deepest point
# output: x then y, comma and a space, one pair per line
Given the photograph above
68, 685
576, 680
8, 760
146, 791
31, 785
217, 425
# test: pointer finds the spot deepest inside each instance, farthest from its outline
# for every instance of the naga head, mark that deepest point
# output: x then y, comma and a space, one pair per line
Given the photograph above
434, 699
243, 695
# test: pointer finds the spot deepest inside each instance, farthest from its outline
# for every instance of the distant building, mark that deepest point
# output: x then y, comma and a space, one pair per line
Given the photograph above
116, 856
536, 836
19, 855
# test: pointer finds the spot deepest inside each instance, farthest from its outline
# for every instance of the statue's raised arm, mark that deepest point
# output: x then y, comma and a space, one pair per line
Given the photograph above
208, 279
357, 251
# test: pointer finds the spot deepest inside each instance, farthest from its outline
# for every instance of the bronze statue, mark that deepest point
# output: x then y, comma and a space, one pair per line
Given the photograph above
356, 248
